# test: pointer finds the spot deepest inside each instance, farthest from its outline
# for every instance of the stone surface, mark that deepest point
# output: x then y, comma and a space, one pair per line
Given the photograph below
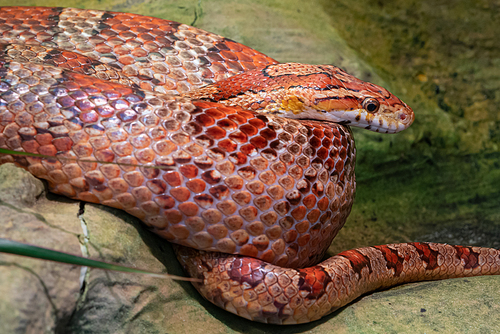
36, 296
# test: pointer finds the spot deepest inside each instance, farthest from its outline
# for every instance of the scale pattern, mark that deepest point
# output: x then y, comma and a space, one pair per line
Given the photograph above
87, 87
158, 55
232, 181
266, 293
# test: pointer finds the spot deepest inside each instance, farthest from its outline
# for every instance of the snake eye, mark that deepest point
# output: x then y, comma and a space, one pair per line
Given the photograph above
371, 105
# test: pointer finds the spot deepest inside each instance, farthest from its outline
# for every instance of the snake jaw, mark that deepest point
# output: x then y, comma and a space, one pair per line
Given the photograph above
376, 123
388, 119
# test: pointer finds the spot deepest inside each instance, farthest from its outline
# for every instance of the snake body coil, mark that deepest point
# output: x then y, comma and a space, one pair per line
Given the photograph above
111, 95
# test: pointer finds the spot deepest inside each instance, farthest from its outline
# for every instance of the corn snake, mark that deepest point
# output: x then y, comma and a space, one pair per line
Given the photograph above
251, 184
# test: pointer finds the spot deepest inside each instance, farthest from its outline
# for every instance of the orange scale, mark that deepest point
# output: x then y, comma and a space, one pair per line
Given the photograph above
189, 208
249, 213
219, 192
215, 132
315, 142
122, 149
128, 160
146, 37
263, 203
139, 52
114, 40
238, 119
261, 242
235, 47
88, 197
126, 200
165, 201
151, 46
204, 200
142, 194
274, 232
46, 150
75, 85
214, 177
211, 216
63, 144
43, 36
247, 115
145, 156
119, 26
173, 216
125, 60
73, 65
237, 136
189, 171
207, 74
30, 146
248, 150
150, 173
205, 119
196, 186
218, 231
134, 178
303, 240
226, 167
228, 55
290, 236
249, 129
242, 197
69, 55
204, 105
181, 194
225, 144
249, 250
128, 36
157, 186
298, 214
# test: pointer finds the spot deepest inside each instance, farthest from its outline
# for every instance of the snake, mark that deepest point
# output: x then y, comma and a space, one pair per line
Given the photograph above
245, 164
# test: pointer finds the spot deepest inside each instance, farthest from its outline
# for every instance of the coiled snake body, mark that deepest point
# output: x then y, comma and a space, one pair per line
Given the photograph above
251, 191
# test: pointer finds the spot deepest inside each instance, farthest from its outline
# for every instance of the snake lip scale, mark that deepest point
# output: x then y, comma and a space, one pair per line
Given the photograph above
256, 159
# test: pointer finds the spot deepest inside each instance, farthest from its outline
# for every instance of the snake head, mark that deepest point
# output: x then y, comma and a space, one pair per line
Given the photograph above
318, 92
334, 95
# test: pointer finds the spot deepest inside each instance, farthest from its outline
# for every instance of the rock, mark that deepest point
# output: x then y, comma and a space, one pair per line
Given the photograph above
19, 187
36, 296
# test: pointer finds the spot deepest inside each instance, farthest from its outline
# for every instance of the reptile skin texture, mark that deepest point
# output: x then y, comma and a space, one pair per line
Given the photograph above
112, 108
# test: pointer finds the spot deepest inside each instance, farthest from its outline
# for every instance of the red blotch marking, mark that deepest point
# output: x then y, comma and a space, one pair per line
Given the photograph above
358, 261
470, 257
314, 280
394, 261
247, 270
427, 255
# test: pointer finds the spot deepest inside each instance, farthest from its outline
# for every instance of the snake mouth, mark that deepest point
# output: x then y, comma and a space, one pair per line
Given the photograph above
391, 122
383, 115
384, 123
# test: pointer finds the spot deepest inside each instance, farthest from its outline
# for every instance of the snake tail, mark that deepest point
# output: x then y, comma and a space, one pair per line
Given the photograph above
263, 292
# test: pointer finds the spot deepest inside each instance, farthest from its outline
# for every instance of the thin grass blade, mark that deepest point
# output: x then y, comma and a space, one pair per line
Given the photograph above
18, 248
